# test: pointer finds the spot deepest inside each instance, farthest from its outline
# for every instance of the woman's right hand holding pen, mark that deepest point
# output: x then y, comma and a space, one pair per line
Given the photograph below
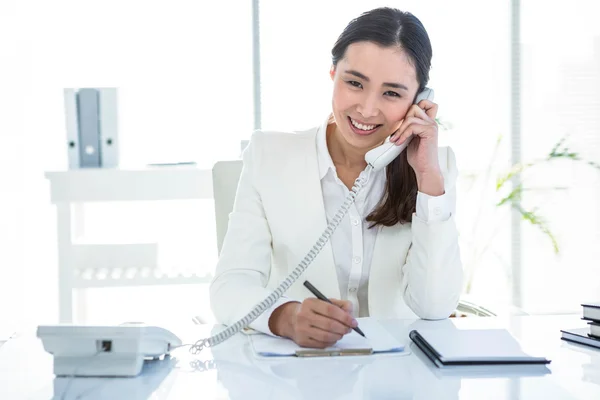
313, 323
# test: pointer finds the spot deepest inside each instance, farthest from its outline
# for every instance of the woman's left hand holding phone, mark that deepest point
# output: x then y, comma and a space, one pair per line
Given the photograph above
422, 152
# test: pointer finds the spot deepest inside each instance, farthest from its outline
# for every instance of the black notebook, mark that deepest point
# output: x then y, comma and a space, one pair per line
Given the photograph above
595, 330
591, 311
581, 336
460, 347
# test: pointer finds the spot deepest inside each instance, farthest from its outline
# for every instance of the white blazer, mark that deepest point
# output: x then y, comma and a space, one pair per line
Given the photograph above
279, 214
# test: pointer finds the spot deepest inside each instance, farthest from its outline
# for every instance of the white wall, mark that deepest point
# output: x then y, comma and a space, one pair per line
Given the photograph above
185, 92
13, 69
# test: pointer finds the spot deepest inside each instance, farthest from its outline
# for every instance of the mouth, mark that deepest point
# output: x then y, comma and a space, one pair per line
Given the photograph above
362, 129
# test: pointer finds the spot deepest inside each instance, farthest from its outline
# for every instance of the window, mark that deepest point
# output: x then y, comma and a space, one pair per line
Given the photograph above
561, 98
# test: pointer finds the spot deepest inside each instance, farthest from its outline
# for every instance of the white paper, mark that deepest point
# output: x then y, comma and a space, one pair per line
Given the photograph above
377, 338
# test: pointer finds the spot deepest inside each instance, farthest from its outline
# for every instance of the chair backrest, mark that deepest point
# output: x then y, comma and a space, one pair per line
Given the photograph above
226, 175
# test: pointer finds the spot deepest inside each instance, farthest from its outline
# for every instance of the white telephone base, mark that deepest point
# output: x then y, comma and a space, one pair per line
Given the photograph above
82, 350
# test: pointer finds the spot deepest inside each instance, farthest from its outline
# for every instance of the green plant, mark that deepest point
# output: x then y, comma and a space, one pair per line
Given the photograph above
513, 198
507, 197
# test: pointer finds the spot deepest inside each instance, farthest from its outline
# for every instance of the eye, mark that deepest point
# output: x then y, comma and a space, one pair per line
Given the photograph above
392, 94
355, 84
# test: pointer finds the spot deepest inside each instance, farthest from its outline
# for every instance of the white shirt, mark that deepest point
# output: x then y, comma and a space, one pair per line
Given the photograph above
353, 242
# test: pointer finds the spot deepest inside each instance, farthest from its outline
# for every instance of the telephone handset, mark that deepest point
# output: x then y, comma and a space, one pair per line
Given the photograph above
377, 158
381, 156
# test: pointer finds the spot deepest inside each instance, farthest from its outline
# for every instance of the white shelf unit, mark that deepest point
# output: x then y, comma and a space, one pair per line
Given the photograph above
85, 265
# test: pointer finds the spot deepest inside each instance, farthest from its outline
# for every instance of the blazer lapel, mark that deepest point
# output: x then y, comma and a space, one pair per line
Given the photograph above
389, 255
310, 221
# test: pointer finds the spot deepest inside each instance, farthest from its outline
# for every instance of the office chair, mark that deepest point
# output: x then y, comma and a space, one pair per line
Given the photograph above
226, 175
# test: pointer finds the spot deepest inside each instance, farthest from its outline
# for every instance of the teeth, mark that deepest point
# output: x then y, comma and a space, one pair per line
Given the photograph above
361, 126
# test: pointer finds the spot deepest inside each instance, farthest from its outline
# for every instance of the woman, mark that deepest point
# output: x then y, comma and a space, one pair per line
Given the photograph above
396, 254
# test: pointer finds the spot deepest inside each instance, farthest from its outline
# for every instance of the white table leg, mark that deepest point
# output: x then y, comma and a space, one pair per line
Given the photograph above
80, 295
65, 271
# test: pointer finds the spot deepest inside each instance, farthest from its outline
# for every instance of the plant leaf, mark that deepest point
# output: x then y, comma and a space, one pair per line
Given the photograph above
515, 170
514, 196
534, 219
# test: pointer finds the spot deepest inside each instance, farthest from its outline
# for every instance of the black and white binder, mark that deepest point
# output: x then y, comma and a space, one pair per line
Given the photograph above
109, 145
88, 107
72, 125
92, 127
591, 312
580, 336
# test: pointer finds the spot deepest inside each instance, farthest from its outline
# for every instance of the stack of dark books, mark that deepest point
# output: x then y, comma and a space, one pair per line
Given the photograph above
589, 336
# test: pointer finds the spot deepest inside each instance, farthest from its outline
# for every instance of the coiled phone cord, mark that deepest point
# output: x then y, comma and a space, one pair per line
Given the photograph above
294, 275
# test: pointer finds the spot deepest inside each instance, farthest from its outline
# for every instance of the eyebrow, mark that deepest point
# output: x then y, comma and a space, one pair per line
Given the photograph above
363, 77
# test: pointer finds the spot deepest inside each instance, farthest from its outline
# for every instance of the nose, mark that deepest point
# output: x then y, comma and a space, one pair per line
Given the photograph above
368, 106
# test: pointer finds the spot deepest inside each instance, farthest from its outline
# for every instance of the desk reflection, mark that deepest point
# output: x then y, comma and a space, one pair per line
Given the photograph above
393, 376
155, 380
591, 362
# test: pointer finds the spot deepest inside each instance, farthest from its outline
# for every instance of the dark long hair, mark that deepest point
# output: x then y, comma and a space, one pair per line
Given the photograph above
389, 27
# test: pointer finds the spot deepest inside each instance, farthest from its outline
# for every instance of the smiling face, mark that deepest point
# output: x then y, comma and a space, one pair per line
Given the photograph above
373, 88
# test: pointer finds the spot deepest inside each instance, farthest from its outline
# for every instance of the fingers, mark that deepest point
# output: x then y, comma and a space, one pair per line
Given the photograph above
344, 304
417, 122
425, 110
320, 324
429, 108
333, 311
405, 124
330, 325
317, 327
414, 130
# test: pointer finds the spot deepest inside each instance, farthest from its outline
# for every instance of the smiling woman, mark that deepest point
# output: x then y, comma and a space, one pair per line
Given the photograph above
466, 56
390, 256
380, 62
374, 104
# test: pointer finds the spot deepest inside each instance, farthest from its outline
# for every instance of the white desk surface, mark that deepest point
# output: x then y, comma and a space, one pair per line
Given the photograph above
230, 371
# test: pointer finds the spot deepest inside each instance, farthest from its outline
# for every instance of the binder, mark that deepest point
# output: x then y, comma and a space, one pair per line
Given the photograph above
89, 130
468, 347
72, 126
92, 127
109, 127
